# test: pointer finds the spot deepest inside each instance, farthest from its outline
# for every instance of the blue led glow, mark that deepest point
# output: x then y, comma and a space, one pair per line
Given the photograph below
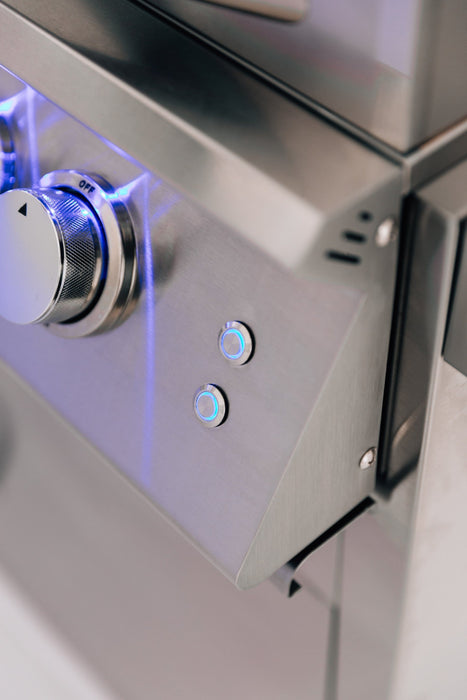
233, 331
7, 107
139, 190
123, 193
215, 411
148, 273
31, 97
150, 394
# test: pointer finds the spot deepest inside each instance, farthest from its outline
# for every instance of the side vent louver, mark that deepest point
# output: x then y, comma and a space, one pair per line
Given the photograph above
343, 257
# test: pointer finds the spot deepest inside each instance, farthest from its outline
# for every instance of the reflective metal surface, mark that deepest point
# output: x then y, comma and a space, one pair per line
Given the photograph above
391, 68
433, 222
247, 206
35, 661
455, 350
432, 644
126, 43
258, 163
133, 598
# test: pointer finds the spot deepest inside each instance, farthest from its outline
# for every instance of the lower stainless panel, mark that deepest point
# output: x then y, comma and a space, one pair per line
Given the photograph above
432, 648
372, 585
28, 642
152, 617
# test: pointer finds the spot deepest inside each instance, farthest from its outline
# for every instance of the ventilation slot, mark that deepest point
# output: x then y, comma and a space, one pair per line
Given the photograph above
354, 236
343, 257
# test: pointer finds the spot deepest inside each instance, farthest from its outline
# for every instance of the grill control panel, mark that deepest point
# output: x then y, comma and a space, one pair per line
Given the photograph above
247, 378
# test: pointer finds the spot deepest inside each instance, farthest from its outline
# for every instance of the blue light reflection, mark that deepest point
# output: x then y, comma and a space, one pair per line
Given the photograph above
7, 107
150, 391
148, 274
124, 192
31, 97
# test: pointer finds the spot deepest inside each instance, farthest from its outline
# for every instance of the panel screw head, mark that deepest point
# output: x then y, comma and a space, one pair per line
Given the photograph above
386, 232
368, 459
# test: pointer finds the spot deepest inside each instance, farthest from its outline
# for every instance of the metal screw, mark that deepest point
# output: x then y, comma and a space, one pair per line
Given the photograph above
386, 232
368, 459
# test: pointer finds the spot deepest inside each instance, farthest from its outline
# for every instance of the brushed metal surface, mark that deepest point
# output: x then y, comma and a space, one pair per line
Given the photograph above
435, 156
371, 597
390, 68
132, 597
447, 197
36, 662
400, 637
455, 349
256, 161
242, 492
432, 243
196, 117
432, 645
136, 601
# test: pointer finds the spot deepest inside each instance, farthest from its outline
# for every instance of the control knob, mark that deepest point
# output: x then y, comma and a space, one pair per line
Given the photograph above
52, 256
66, 257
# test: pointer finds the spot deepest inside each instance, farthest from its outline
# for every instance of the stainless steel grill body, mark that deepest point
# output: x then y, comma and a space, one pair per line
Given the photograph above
306, 408
392, 69
250, 210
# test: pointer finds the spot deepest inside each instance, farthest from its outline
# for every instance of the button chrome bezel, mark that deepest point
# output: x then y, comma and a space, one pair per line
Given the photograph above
221, 401
118, 296
247, 338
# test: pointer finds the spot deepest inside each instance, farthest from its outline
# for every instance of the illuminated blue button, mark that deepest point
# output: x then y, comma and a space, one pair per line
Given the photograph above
236, 342
232, 344
207, 406
210, 405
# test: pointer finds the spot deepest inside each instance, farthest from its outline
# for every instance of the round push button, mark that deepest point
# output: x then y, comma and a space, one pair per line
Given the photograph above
210, 405
236, 342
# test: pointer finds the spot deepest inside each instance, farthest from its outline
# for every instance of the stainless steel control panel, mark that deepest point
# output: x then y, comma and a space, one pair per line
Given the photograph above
243, 389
